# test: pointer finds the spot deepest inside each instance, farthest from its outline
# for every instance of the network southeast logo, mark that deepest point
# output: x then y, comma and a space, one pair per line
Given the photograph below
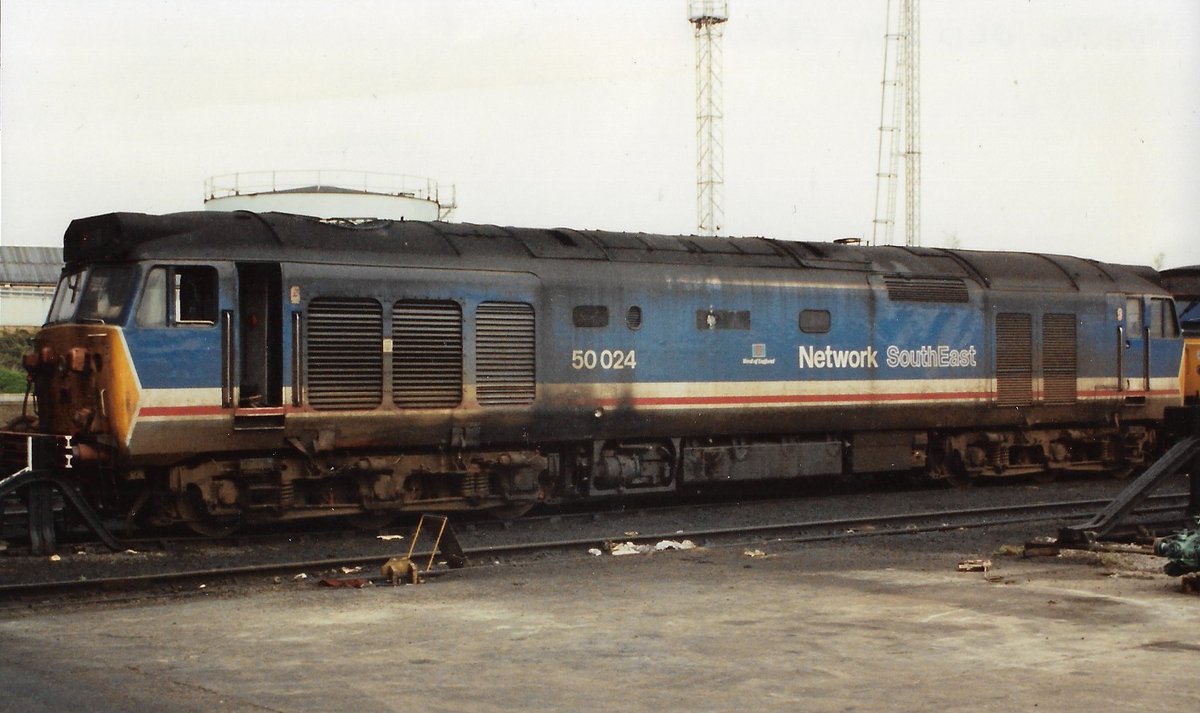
758, 356
830, 358
931, 356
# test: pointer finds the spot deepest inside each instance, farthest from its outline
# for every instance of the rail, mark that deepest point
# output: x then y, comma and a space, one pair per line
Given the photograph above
1183, 457
803, 531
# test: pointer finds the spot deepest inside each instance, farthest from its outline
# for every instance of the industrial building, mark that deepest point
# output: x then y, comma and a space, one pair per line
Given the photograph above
27, 279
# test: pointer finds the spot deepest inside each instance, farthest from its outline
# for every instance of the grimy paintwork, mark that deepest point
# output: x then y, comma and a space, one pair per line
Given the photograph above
577, 364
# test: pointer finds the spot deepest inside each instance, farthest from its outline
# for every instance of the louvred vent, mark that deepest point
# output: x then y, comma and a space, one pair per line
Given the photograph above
504, 353
1014, 360
926, 289
344, 353
1058, 358
427, 354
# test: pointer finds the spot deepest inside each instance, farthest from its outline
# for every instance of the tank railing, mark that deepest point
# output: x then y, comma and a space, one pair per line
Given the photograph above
447, 200
387, 184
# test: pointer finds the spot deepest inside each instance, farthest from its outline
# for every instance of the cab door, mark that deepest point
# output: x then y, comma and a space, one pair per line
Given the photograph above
260, 337
1164, 348
1135, 350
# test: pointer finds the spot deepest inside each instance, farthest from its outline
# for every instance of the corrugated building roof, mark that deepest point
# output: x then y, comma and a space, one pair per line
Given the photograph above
27, 265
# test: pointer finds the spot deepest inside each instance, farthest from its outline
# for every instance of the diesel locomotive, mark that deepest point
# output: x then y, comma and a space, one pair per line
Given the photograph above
220, 368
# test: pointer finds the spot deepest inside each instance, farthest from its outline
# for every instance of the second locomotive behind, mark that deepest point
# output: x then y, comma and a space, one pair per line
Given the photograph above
218, 368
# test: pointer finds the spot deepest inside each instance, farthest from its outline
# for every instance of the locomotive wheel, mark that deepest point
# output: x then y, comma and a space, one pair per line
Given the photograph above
959, 480
1122, 472
511, 511
203, 523
1045, 477
372, 520
208, 526
949, 469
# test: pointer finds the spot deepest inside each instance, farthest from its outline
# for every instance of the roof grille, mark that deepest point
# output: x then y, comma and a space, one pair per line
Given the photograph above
345, 353
427, 354
926, 289
504, 353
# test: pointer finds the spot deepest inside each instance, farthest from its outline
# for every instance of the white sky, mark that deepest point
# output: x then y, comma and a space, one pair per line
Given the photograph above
1067, 126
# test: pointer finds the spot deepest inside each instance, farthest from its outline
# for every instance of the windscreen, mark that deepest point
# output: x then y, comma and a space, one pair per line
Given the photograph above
98, 294
1189, 315
66, 297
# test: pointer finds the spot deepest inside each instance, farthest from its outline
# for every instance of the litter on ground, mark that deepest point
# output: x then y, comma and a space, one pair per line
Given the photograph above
974, 565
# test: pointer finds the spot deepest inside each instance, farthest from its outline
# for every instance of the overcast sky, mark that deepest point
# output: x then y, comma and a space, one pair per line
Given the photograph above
1068, 126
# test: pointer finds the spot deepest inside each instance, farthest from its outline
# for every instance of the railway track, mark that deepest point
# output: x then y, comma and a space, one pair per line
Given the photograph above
1160, 509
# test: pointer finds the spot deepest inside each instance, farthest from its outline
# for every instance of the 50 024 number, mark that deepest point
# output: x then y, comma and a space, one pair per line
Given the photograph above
605, 359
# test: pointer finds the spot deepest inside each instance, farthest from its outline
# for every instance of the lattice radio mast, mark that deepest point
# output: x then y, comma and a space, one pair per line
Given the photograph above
899, 132
706, 17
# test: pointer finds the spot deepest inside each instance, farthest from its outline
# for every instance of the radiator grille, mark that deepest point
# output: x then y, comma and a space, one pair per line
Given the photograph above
1058, 358
926, 289
344, 353
1014, 360
426, 354
504, 353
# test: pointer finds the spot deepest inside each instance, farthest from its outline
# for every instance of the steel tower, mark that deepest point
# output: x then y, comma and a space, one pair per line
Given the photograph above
899, 133
706, 17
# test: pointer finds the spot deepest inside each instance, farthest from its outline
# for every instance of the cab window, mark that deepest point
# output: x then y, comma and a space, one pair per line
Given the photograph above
106, 292
1162, 319
66, 297
1133, 318
179, 296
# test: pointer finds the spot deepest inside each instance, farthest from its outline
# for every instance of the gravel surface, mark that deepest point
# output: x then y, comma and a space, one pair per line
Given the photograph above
863, 625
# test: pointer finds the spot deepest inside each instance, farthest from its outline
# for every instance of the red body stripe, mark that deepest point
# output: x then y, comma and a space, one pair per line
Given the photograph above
746, 400
152, 411
791, 399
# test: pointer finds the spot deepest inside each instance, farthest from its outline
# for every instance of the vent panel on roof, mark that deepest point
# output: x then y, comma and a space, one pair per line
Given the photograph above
427, 354
344, 353
926, 289
504, 353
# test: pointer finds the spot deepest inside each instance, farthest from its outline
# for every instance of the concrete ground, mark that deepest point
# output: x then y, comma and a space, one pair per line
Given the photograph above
871, 625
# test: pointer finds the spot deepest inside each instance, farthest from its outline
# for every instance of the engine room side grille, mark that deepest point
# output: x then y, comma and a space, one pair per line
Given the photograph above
344, 353
1058, 358
504, 353
426, 354
926, 289
1014, 360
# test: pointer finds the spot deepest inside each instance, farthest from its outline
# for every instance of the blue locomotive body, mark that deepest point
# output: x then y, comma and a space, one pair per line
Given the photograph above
242, 366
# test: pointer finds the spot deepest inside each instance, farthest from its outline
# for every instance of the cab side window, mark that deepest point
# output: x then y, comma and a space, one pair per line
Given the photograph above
1162, 319
179, 296
1133, 318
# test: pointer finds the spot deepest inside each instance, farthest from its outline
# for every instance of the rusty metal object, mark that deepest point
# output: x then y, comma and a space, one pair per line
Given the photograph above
401, 570
445, 543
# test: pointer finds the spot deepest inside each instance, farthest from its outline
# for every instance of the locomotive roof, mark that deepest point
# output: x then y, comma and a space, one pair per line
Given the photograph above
247, 236
1183, 282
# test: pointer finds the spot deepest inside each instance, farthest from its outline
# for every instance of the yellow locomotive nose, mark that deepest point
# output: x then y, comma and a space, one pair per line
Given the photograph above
1191, 369
83, 382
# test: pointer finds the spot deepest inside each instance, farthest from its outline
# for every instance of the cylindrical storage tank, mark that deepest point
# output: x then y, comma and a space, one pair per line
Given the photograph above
347, 195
